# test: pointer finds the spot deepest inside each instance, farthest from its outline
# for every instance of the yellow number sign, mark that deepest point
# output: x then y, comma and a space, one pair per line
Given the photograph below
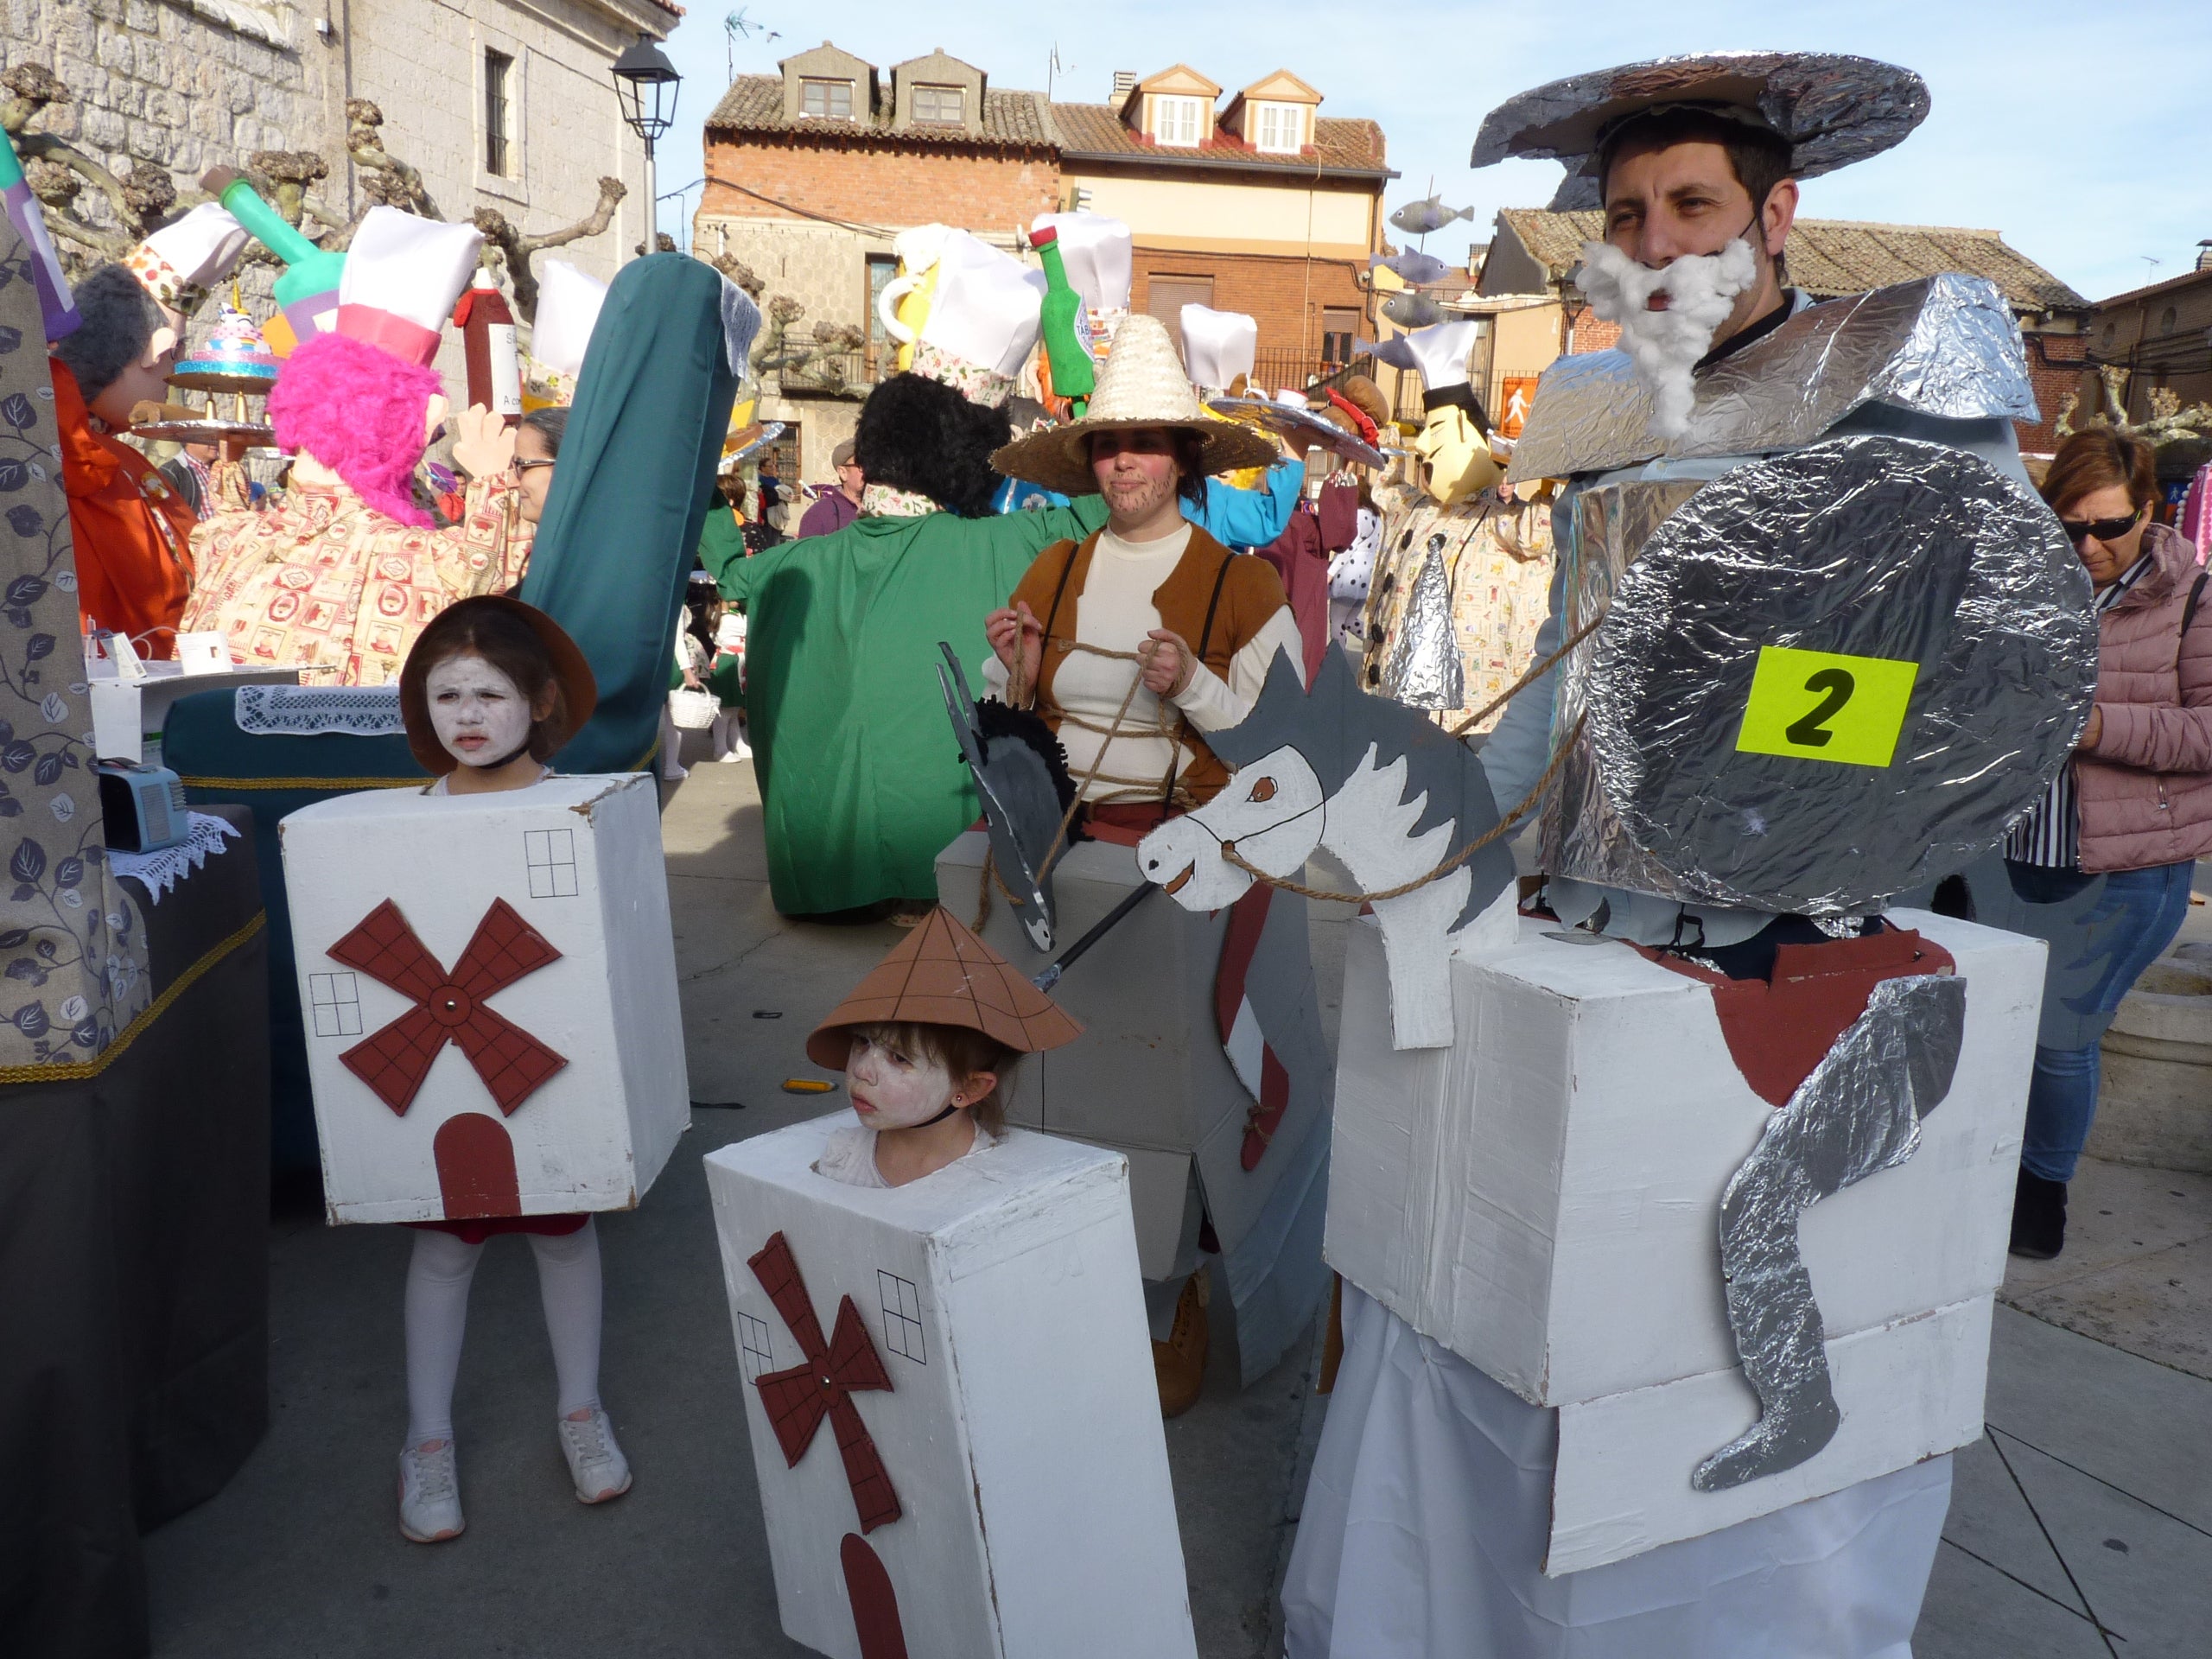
1818, 705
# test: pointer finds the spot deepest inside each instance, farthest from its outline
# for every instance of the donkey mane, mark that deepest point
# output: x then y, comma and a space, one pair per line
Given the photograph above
1333, 726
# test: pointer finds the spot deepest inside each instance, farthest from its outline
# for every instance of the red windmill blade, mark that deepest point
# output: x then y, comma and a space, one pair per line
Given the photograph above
798, 1400
449, 1008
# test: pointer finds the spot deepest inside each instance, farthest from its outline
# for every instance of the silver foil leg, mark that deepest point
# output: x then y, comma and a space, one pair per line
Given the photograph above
1858, 1112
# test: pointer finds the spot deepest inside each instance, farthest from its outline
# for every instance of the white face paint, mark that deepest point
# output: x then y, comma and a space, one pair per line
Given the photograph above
479, 714
893, 1089
1665, 337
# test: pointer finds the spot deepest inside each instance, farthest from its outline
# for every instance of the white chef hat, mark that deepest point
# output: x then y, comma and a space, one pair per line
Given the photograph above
1099, 252
567, 310
1441, 352
403, 275
983, 320
178, 264
1218, 346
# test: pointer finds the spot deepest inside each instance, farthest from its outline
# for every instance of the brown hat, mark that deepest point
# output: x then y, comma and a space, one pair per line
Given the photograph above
942, 974
579, 691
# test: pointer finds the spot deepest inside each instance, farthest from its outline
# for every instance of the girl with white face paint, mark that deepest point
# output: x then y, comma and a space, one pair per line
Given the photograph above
491, 690
926, 1096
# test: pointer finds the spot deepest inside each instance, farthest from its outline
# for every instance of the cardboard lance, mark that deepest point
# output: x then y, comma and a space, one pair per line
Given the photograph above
1020, 1430
578, 859
1543, 1199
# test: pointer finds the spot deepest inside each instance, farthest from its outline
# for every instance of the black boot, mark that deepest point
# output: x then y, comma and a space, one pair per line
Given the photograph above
2038, 1218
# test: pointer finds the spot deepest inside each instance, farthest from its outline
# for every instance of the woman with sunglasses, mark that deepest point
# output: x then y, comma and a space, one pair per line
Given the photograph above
2136, 803
538, 443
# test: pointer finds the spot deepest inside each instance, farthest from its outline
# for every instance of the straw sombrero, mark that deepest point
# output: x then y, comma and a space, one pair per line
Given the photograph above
579, 691
942, 975
1141, 384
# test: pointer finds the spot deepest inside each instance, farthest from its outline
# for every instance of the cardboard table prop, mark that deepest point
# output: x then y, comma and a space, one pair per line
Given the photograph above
1201, 1059
954, 1424
490, 984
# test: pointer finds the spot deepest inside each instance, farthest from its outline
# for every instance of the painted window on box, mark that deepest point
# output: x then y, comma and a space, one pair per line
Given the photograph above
551, 855
336, 999
755, 1356
902, 1317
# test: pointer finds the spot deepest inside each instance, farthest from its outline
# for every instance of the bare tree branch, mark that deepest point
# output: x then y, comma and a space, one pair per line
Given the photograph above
391, 183
510, 248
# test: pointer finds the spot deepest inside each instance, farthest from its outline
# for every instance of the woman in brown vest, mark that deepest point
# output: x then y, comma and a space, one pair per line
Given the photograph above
1151, 598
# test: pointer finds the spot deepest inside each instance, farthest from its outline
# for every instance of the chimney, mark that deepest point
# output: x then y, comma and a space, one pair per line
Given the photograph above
1125, 81
2204, 255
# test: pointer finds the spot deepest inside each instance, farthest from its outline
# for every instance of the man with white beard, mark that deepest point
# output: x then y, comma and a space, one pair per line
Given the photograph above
1425, 1526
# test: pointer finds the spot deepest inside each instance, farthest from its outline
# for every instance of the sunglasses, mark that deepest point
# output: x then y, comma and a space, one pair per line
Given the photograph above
2079, 531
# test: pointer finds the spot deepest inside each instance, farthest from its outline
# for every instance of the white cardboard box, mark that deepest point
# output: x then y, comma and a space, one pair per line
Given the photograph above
1543, 1199
578, 859
1021, 1432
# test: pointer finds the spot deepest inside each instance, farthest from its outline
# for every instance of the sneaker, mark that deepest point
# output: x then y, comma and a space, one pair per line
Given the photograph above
742, 752
430, 1493
596, 1463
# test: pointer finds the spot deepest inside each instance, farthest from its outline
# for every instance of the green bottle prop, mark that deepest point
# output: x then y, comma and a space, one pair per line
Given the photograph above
309, 288
1066, 325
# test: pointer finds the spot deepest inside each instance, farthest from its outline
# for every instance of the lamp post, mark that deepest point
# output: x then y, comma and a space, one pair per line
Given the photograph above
646, 83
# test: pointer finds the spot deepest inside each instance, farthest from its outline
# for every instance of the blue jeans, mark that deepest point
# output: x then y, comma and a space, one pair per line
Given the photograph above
2062, 1093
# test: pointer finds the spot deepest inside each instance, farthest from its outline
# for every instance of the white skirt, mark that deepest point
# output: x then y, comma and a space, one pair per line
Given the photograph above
1425, 1521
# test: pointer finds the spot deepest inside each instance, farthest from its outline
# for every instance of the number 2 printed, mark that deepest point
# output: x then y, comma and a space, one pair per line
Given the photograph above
1835, 685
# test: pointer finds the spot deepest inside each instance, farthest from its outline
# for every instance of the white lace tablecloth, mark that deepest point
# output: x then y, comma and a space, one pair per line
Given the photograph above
314, 710
162, 869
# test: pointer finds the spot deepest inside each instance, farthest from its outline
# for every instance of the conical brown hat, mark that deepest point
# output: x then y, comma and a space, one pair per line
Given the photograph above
942, 974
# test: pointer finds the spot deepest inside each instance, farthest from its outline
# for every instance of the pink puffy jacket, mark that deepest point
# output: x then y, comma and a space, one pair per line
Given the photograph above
2145, 788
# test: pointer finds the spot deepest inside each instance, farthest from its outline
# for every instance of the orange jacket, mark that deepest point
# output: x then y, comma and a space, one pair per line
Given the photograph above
131, 530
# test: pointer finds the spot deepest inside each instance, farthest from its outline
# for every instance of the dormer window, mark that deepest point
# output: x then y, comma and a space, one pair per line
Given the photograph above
941, 106
1280, 128
830, 100
1180, 121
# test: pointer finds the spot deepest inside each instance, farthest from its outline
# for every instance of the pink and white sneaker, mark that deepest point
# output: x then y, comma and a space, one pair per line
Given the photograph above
430, 1493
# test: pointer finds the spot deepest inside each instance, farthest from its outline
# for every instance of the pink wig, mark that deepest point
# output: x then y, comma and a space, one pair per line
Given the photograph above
359, 411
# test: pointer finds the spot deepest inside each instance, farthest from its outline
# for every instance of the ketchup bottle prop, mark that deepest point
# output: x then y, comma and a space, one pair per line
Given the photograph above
487, 334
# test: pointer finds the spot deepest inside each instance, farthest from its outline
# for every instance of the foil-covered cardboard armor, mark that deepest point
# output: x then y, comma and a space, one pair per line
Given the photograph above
1945, 345
955, 1425
489, 982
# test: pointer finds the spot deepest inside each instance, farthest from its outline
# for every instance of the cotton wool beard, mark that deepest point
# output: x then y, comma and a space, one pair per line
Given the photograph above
1665, 346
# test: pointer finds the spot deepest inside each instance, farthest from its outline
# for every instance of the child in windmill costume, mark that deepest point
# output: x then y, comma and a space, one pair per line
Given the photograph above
1813, 644
1130, 646
347, 570
1464, 562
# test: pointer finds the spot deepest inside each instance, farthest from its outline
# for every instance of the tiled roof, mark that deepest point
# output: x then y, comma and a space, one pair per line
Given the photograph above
1340, 146
755, 104
1828, 257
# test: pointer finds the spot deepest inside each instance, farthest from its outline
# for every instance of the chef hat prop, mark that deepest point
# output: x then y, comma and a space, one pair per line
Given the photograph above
1218, 346
403, 275
567, 310
178, 264
1440, 351
1099, 252
983, 320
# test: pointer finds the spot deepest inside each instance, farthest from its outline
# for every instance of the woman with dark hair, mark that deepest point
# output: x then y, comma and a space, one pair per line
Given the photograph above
538, 445
2136, 803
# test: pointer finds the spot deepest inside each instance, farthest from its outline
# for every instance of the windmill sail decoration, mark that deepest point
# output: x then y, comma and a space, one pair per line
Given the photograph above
1375, 784
1021, 774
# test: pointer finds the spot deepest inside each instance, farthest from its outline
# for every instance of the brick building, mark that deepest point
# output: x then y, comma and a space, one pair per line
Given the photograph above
2161, 336
1533, 250
499, 103
1261, 205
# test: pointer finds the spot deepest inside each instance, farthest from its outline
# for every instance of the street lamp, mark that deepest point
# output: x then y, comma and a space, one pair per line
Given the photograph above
646, 83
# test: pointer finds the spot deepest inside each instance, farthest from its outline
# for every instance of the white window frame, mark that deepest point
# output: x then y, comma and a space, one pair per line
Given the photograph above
1168, 110
851, 98
1289, 119
959, 96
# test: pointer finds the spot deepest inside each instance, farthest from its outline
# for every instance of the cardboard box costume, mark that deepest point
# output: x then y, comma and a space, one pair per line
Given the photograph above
1000, 1485
1596, 1211
490, 986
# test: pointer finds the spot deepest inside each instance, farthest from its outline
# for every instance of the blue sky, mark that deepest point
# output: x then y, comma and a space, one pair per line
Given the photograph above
2082, 131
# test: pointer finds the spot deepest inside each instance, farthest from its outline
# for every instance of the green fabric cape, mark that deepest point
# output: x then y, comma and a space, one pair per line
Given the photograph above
862, 782
622, 521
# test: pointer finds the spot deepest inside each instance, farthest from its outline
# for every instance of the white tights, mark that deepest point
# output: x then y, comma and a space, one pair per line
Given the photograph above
437, 1319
